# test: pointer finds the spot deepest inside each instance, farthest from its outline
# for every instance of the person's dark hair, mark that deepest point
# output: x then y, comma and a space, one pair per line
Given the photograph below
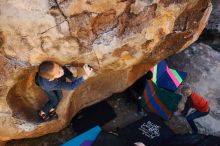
149, 75
186, 90
45, 69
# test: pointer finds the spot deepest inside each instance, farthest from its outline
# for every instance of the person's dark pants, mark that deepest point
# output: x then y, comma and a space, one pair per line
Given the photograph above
131, 93
193, 116
139, 106
54, 98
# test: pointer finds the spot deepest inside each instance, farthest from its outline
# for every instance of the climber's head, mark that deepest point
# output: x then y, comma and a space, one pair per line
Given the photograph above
50, 70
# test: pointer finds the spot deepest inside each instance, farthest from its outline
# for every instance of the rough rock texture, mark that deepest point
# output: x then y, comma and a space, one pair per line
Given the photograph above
214, 21
211, 34
203, 66
121, 39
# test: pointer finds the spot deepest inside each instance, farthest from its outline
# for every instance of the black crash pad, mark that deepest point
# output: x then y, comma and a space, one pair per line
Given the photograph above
110, 139
150, 130
193, 140
97, 114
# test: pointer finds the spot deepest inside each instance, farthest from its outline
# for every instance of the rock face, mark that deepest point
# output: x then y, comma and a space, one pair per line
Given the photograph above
214, 21
211, 35
202, 64
121, 39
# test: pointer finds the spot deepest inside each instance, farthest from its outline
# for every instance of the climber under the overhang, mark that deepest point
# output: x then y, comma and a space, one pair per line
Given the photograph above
51, 77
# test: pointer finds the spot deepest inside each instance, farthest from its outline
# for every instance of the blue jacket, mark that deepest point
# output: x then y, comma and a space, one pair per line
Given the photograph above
59, 83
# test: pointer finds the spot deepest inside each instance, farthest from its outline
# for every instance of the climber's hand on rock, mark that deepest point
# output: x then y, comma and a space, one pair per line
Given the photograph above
72, 69
88, 70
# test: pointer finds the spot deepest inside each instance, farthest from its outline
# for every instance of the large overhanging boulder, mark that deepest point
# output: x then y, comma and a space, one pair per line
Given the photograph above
121, 39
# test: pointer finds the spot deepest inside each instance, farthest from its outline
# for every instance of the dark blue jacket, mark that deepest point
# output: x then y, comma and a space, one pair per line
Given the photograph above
59, 83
